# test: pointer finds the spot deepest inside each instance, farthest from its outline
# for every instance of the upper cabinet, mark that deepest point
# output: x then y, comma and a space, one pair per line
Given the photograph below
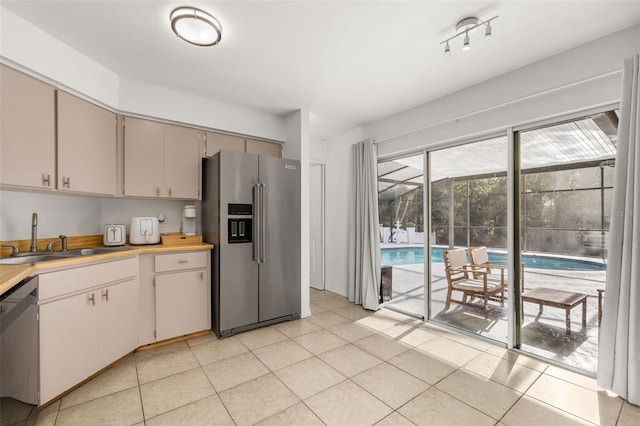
263, 148
160, 160
27, 131
87, 157
220, 141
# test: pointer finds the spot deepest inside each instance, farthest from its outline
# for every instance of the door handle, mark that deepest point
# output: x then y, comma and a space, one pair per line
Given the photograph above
256, 224
263, 225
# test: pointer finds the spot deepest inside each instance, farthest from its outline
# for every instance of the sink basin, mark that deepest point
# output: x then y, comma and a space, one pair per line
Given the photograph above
26, 260
29, 258
95, 250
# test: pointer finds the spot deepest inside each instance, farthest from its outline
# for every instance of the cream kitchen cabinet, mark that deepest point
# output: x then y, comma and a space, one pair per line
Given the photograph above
87, 320
160, 160
215, 142
269, 149
87, 156
27, 131
175, 295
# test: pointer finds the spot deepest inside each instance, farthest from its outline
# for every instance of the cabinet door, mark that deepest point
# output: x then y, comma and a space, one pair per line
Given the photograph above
181, 303
87, 159
143, 157
269, 149
27, 131
117, 321
68, 343
181, 162
218, 141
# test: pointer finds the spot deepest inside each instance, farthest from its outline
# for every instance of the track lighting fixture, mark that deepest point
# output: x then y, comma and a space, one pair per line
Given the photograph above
465, 26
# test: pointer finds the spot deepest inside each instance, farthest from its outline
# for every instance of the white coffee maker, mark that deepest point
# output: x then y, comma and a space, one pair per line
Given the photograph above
188, 220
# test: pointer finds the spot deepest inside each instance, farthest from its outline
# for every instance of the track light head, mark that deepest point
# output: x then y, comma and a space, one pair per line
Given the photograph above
466, 46
447, 49
487, 31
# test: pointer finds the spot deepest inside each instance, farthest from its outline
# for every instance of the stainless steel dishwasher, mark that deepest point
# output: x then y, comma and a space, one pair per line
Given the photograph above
19, 371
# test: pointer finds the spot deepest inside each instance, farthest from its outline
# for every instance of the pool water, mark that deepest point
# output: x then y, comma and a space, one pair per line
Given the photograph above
412, 256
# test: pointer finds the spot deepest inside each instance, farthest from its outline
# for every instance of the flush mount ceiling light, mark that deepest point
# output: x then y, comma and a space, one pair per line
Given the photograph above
466, 26
196, 26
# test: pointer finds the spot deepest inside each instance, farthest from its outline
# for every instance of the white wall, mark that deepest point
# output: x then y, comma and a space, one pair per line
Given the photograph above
297, 148
581, 78
317, 151
338, 209
74, 215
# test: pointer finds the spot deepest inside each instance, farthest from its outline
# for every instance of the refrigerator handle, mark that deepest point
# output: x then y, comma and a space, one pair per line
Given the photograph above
256, 223
263, 225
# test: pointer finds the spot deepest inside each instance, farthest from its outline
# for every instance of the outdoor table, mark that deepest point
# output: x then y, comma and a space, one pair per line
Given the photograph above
558, 299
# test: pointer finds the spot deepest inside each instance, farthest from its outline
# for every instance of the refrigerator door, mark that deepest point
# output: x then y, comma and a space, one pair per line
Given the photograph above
238, 273
280, 245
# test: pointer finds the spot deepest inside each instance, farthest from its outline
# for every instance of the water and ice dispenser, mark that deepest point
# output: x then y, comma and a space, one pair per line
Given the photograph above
240, 228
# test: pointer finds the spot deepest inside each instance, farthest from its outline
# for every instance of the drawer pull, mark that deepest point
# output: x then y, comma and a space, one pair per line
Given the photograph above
92, 298
183, 261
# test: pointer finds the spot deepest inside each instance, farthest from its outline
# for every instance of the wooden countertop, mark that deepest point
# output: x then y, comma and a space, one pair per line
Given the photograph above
10, 275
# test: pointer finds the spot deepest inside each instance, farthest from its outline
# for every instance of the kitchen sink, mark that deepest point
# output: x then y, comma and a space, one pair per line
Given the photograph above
95, 250
28, 258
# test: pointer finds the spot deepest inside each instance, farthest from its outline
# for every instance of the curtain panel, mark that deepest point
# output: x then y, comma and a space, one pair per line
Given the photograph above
364, 285
619, 346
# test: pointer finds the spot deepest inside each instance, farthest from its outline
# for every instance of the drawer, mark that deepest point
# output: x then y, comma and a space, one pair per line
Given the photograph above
180, 261
78, 279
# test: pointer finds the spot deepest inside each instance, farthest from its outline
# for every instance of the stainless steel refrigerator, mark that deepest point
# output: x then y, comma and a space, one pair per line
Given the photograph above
251, 213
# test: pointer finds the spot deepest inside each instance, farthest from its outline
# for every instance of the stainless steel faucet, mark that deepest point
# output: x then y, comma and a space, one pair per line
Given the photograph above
34, 233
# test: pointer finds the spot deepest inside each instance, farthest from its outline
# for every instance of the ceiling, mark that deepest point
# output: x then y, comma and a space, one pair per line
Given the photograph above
348, 63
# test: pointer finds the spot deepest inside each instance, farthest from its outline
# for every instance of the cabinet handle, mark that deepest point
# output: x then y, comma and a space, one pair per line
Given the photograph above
92, 298
183, 261
201, 276
66, 182
46, 180
169, 192
105, 294
157, 191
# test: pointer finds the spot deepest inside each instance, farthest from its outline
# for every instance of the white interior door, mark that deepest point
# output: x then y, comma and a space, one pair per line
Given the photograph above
316, 251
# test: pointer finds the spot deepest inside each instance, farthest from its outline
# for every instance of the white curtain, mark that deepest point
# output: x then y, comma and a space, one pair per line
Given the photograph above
619, 347
364, 285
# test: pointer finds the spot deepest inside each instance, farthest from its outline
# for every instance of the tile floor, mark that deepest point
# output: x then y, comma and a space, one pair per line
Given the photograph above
341, 366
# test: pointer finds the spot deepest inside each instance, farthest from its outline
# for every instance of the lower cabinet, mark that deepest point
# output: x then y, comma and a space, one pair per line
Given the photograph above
88, 319
175, 295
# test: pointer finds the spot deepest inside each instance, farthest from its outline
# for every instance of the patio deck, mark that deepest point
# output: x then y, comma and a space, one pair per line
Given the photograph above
544, 336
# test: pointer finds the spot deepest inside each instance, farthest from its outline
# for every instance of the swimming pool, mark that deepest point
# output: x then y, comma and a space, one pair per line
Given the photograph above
412, 256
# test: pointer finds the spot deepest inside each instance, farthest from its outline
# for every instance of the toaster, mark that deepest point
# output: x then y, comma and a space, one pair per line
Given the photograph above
114, 235
144, 230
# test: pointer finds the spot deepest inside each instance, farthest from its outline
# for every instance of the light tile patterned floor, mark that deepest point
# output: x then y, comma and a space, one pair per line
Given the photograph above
341, 366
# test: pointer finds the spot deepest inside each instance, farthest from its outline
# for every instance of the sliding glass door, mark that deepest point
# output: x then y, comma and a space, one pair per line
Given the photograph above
566, 184
468, 208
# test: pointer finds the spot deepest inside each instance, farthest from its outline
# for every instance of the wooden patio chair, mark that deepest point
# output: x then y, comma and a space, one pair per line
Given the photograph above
479, 260
460, 278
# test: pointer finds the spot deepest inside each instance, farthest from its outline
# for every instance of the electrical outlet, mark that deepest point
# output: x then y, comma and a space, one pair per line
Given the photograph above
163, 219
